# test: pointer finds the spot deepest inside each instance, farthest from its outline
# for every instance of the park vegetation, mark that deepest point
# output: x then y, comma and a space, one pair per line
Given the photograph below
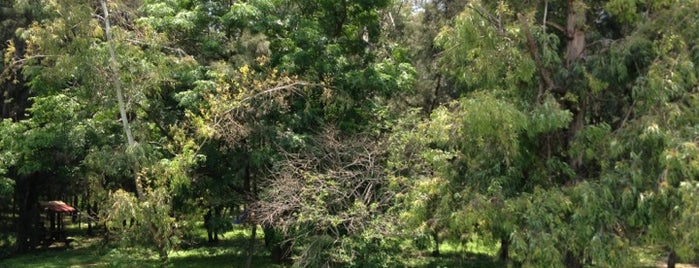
356, 133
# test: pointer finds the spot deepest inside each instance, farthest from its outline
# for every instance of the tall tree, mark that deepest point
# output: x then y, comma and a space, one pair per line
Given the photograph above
558, 63
70, 58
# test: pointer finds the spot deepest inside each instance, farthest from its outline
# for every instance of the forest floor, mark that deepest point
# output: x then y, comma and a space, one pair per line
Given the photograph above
231, 252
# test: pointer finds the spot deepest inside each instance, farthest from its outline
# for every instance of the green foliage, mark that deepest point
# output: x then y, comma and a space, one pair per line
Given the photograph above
7, 188
625, 10
54, 135
548, 117
592, 143
368, 131
490, 130
152, 224
483, 55
685, 235
528, 163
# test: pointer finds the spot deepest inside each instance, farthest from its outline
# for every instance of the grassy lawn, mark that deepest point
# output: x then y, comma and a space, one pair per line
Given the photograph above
91, 252
231, 252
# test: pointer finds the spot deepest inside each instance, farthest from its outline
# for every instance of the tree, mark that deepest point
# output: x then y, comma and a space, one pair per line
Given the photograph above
415, 26
568, 148
77, 67
15, 96
116, 81
297, 67
42, 151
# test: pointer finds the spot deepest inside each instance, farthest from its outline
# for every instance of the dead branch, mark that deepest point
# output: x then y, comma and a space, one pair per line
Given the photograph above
328, 177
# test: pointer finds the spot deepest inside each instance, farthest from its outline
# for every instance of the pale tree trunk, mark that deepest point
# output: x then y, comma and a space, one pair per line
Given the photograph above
113, 67
575, 29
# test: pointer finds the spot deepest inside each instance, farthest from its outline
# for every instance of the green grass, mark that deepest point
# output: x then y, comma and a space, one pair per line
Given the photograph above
90, 252
231, 252
471, 254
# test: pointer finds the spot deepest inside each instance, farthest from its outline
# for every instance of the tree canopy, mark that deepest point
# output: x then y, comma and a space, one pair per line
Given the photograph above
563, 133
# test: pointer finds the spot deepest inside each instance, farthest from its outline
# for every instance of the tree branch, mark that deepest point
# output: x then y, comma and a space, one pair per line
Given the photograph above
534, 52
556, 26
489, 17
276, 89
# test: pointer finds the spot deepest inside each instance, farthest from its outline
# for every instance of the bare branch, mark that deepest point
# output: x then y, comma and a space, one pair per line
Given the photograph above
180, 52
328, 179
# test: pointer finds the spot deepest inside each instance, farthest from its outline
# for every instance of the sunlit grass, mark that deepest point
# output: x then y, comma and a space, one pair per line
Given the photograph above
456, 254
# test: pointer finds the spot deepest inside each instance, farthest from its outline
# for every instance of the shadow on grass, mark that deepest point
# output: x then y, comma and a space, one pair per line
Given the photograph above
92, 252
459, 260
230, 251
57, 257
221, 261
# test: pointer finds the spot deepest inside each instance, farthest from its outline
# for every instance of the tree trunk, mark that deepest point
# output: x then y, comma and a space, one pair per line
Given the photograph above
285, 251
435, 236
27, 197
14, 92
269, 236
209, 225
74, 215
575, 30
251, 246
576, 161
280, 250
251, 186
114, 68
573, 260
92, 215
503, 255
671, 259
534, 53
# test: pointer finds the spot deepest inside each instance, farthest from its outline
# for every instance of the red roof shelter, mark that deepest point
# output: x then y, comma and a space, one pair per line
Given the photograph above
55, 212
59, 206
